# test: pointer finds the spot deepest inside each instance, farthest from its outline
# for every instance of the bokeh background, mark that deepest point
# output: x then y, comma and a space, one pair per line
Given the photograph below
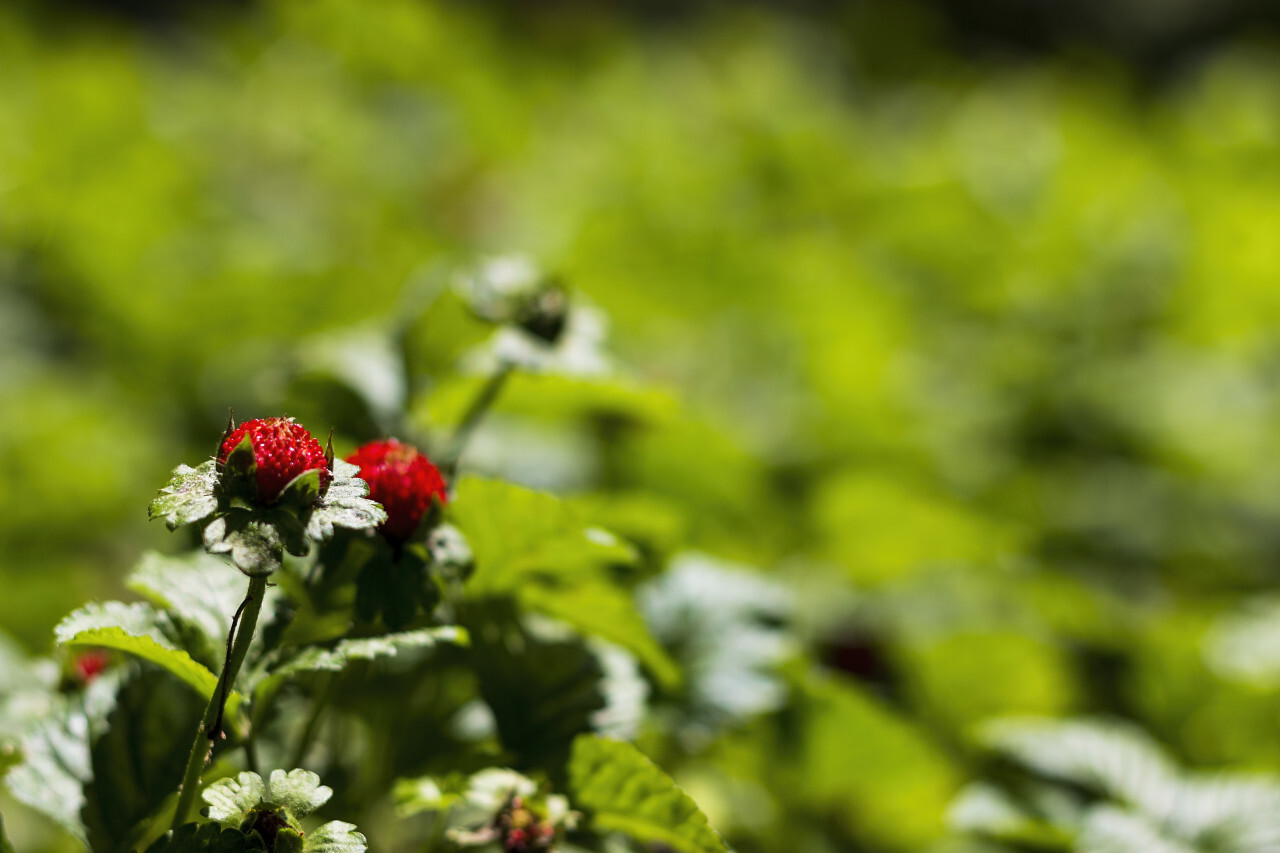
958, 320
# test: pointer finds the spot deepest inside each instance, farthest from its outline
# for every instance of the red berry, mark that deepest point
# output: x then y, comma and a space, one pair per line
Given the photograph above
282, 450
401, 479
90, 665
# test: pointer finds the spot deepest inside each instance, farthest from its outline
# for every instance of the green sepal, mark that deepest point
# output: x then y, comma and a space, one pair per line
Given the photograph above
288, 841
239, 473
201, 838
345, 504
291, 530
336, 836
302, 492
255, 545
190, 495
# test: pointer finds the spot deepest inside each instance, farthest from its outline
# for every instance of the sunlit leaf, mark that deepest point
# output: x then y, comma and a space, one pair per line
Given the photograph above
188, 497
623, 791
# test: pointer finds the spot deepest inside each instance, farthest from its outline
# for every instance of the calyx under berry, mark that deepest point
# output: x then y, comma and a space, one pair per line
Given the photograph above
404, 481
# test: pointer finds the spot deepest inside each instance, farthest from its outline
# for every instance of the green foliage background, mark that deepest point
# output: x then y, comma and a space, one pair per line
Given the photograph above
977, 358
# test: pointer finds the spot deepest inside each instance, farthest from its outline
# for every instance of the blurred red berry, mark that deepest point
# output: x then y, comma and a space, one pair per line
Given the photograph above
90, 665
282, 449
403, 480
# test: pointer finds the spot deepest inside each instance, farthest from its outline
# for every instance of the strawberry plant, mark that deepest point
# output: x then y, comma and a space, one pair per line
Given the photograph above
466, 648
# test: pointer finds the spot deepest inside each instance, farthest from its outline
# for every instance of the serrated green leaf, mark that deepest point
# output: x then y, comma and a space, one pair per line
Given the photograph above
624, 791
199, 588
139, 630
298, 790
56, 762
137, 758
515, 532
345, 504
369, 648
229, 800
314, 659
174, 660
336, 837
189, 496
254, 545
606, 612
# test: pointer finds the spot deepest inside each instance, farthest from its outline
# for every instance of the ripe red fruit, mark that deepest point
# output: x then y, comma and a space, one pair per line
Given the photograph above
90, 665
403, 480
282, 449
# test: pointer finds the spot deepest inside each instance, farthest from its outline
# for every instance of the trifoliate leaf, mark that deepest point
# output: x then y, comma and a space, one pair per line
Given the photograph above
299, 791
140, 630
336, 837
255, 546
189, 496
345, 504
229, 800
623, 791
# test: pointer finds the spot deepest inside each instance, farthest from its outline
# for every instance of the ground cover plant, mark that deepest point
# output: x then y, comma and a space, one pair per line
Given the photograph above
888, 461
468, 646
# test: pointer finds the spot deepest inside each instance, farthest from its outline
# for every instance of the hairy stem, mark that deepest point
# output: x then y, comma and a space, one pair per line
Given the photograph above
475, 413
210, 730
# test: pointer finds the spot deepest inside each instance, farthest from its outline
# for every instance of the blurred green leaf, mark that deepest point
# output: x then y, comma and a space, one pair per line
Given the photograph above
861, 761
518, 535
623, 791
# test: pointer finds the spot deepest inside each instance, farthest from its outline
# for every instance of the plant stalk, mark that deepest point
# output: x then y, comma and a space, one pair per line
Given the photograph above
210, 724
475, 413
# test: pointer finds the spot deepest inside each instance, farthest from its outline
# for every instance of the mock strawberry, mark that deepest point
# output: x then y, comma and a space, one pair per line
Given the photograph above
282, 450
403, 480
90, 665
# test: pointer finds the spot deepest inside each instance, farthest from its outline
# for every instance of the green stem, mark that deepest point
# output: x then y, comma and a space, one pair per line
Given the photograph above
210, 725
479, 407
313, 722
